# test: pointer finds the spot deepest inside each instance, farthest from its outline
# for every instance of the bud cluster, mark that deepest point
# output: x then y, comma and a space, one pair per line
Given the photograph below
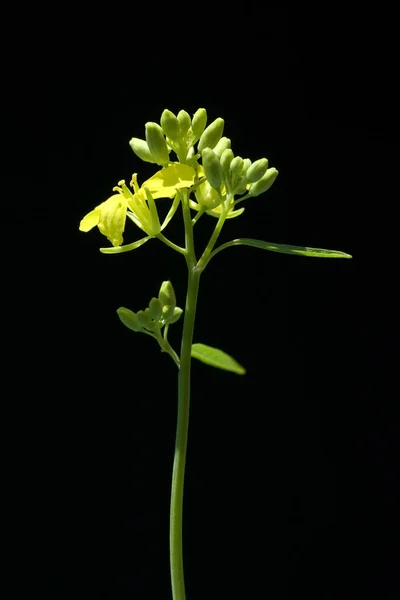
161, 311
222, 167
175, 132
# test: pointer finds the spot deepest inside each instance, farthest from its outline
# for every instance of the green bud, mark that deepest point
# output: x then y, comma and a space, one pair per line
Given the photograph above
246, 165
207, 196
236, 166
222, 145
167, 295
170, 124
156, 142
212, 168
167, 313
263, 184
155, 309
184, 122
235, 170
211, 136
199, 122
141, 150
241, 185
143, 319
128, 318
257, 170
226, 159
175, 315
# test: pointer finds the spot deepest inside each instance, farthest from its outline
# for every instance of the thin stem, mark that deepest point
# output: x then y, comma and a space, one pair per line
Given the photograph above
204, 257
166, 347
242, 198
198, 215
171, 244
237, 242
187, 219
178, 473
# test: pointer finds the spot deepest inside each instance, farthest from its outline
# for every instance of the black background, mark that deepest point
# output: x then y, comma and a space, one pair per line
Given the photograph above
291, 483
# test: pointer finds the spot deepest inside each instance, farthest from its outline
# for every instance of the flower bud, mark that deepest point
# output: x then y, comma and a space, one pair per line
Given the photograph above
167, 313
211, 136
257, 170
226, 159
128, 318
235, 170
141, 150
155, 309
175, 315
246, 165
199, 122
143, 319
207, 196
241, 184
170, 124
222, 145
167, 295
212, 168
156, 142
184, 122
236, 167
263, 184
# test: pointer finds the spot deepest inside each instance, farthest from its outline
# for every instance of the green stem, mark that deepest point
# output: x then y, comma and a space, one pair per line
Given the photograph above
198, 215
171, 244
205, 256
166, 347
178, 473
242, 198
237, 242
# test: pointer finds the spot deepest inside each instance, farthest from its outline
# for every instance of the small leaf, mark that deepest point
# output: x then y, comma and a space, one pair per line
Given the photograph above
216, 358
286, 249
126, 248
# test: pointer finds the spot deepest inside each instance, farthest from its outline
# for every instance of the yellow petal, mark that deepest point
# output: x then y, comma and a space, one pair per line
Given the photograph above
90, 220
164, 183
112, 218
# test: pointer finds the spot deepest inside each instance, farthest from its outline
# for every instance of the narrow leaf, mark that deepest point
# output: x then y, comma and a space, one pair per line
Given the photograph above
287, 249
127, 248
216, 358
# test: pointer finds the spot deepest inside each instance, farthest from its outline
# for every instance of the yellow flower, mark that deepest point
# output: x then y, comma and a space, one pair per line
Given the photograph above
139, 206
110, 217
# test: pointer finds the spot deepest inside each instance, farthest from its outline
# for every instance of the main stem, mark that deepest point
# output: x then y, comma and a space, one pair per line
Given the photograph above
178, 473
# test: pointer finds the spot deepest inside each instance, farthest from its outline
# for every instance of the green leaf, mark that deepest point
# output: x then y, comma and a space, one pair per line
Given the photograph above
126, 248
286, 249
216, 358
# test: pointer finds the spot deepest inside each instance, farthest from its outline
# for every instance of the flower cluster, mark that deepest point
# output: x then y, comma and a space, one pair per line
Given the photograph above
215, 182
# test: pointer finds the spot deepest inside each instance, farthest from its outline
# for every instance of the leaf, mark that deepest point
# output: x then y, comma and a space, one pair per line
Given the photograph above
216, 358
126, 248
287, 249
